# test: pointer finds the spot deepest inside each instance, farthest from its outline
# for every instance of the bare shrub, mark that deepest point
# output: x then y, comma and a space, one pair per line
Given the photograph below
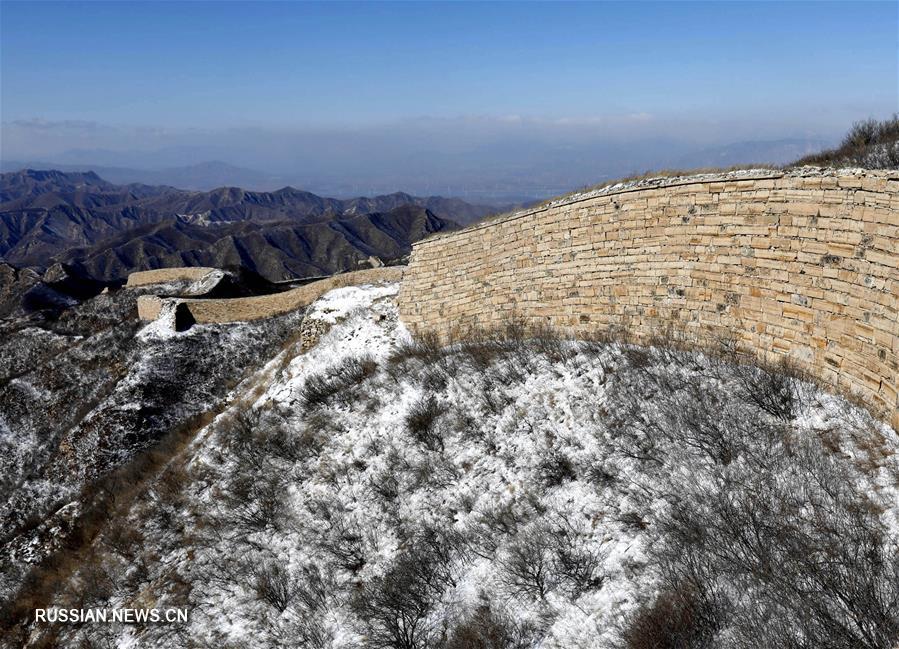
386, 484
547, 342
434, 471
773, 392
336, 383
425, 348
274, 585
239, 429
799, 545
256, 504
95, 581
421, 422
308, 607
709, 421
677, 619
525, 568
578, 567
492, 393
869, 143
345, 540
124, 540
555, 469
488, 627
503, 520
637, 357
395, 607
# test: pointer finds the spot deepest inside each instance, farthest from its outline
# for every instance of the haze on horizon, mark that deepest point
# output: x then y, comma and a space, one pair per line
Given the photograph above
491, 101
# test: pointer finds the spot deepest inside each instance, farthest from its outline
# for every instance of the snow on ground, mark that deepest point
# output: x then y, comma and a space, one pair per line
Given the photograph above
297, 525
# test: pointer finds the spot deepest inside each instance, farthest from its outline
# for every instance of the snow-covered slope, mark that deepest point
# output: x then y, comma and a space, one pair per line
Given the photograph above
514, 491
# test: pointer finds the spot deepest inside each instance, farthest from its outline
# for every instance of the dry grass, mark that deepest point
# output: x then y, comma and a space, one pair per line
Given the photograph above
870, 143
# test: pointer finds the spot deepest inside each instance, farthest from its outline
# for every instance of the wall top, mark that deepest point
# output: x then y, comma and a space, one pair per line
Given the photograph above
659, 182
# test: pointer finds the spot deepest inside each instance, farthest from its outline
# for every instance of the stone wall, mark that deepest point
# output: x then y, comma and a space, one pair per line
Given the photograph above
802, 265
265, 306
149, 307
163, 275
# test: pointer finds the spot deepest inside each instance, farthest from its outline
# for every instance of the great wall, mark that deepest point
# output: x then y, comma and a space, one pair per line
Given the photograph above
802, 265
209, 311
798, 265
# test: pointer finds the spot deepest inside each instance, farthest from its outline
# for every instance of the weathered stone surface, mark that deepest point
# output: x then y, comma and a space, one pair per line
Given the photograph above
801, 264
263, 306
163, 275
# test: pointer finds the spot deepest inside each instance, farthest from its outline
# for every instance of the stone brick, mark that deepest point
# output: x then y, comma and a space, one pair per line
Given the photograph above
812, 264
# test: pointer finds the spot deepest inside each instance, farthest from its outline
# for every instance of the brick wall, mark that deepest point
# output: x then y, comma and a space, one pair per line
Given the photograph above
803, 264
162, 275
266, 306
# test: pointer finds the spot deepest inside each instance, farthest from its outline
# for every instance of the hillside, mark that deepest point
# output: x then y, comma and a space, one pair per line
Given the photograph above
871, 144
48, 216
277, 250
517, 490
480, 456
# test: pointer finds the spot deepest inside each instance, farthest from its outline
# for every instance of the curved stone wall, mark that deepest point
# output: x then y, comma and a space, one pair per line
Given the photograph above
265, 306
803, 264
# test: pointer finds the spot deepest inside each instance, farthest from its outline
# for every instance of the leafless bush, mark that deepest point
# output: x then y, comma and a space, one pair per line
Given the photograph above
555, 469
312, 589
547, 342
492, 393
709, 421
637, 357
490, 628
274, 585
434, 378
870, 143
421, 422
443, 548
95, 581
425, 348
345, 540
774, 392
578, 567
308, 607
677, 619
435, 470
465, 424
337, 382
796, 543
239, 430
525, 568
387, 483
123, 539
257, 503
395, 607
497, 522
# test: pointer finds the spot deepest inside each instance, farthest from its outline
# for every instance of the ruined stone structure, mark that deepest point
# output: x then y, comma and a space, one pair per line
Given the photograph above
803, 265
205, 311
163, 275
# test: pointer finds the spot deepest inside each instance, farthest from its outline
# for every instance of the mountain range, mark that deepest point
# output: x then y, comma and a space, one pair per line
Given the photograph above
108, 230
509, 166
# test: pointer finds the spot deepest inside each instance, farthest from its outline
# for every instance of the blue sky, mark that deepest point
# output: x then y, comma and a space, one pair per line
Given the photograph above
225, 64
127, 75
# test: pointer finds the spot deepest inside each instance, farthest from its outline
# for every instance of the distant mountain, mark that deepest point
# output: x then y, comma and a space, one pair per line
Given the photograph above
274, 250
47, 216
203, 176
46, 189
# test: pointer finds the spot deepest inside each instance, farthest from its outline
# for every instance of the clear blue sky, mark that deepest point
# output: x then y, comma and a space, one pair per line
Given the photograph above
529, 99
203, 64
